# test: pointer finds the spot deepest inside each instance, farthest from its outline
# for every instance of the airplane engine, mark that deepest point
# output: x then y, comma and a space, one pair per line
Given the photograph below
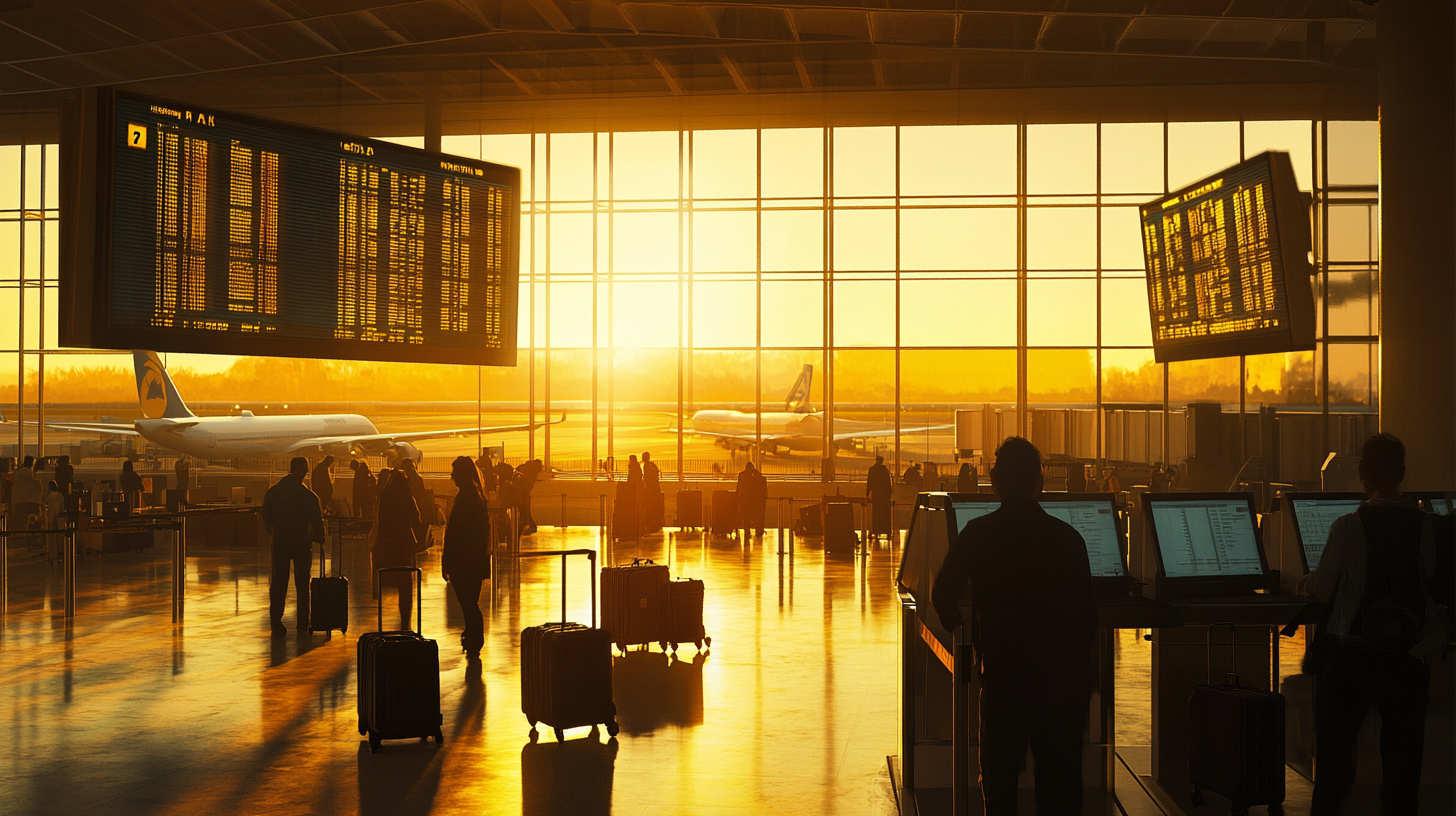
400, 451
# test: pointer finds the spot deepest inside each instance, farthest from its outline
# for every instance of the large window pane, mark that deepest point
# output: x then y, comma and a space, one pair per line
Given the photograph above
979, 238
958, 160
724, 241
1132, 158
1061, 312
1125, 319
1061, 376
793, 240
864, 398
793, 163
1354, 152
958, 313
1122, 241
645, 165
1061, 238
864, 240
1352, 233
725, 313
644, 314
1292, 137
1354, 375
1281, 379
646, 242
571, 322
1131, 375
1354, 302
793, 313
864, 313
571, 244
570, 167
1061, 159
1204, 381
1199, 149
725, 164
864, 161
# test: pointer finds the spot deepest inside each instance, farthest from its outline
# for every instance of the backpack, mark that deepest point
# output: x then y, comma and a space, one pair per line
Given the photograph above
1393, 612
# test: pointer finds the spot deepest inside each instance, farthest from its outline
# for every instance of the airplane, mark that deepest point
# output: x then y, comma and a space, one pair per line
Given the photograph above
796, 428
169, 424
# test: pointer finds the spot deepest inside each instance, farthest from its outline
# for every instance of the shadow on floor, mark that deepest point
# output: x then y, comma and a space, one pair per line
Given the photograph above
653, 691
568, 777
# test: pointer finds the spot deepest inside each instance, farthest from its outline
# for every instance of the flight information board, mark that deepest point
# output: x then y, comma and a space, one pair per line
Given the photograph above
1314, 518
207, 231
1206, 538
1227, 264
1097, 522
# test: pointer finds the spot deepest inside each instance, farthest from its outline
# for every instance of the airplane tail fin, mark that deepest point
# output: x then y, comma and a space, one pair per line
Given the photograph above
155, 391
799, 399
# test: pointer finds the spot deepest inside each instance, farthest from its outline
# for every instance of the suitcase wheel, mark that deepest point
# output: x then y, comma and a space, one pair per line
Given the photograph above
374, 743
1276, 809
362, 729
1197, 797
560, 734
707, 641
612, 728
662, 644
439, 737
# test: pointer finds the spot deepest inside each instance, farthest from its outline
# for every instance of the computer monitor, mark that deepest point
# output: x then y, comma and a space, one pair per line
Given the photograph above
1313, 514
1206, 543
1431, 501
1094, 516
969, 506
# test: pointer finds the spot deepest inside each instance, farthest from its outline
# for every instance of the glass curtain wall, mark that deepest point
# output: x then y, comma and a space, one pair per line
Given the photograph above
712, 296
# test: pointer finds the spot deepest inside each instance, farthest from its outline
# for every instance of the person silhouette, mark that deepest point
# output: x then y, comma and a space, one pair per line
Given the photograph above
398, 540
1032, 640
465, 561
292, 517
880, 487
966, 479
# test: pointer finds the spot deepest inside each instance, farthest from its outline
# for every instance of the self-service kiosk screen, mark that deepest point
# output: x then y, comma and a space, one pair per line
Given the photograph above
1315, 517
965, 511
1097, 523
1207, 538
1438, 506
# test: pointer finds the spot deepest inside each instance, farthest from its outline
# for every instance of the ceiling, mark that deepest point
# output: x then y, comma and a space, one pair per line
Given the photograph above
296, 57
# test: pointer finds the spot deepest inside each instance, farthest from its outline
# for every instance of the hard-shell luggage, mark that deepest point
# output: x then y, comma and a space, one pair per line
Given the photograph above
634, 603
329, 596
840, 537
685, 614
625, 512
810, 524
399, 679
652, 512
566, 668
725, 512
689, 509
1236, 742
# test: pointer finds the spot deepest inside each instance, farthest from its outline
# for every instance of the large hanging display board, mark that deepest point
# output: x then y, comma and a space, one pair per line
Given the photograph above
1228, 266
197, 230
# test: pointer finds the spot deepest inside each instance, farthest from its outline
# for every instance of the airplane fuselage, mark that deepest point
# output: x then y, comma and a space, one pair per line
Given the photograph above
800, 432
233, 437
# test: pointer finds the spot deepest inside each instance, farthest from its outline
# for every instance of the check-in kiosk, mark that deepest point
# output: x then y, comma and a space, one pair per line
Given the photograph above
1305, 521
1211, 563
939, 685
1433, 502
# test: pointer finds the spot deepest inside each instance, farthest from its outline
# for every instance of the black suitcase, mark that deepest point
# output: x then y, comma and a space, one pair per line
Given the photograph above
399, 679
566, 668
685, 614
626, 520
840, 537
329, 597
1236, 741
725, 513
652, 511
809, 521
689, 509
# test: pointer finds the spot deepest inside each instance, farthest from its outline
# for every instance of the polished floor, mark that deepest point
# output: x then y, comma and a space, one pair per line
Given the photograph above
793, 710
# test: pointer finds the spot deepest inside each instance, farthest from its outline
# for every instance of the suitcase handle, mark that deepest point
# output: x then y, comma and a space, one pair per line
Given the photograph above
591, 556
419, 591
1232, 673
338, 551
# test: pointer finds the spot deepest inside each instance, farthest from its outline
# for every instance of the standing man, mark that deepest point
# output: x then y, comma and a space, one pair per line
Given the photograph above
65, 474
1376, 572
880, 485
1032, 640
911, 476
291, 516
651, 495
323, 483
184, 473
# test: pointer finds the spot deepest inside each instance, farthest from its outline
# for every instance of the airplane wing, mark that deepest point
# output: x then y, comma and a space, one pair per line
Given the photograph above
87, 427
891, 432
743, 437
350, 441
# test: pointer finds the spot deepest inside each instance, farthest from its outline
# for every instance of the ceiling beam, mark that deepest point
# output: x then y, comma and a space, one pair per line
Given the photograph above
553, 14
511, 75
803, 72
672, 81
735, 73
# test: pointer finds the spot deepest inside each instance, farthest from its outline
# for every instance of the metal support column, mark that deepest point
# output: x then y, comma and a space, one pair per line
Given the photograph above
960, 708
4, 567
68, 568
179, 569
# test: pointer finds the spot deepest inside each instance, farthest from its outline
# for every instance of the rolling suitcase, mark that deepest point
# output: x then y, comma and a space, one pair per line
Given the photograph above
725, 512
810, 523
652, 511
625, 515
1236, 742
634, 607
689, 509
329, 597
840, 537
399, 680
566, 668
685, 614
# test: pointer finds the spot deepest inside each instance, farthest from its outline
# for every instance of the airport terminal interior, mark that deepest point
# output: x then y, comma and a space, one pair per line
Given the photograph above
730, 305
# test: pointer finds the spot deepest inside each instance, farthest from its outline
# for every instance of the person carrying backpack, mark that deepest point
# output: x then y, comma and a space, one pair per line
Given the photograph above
1375, 573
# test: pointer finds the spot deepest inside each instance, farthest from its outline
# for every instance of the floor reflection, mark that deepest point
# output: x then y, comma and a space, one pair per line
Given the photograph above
654, 691
574, 776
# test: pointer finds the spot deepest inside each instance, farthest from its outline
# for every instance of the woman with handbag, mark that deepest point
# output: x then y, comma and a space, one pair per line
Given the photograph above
397, 541
466, 559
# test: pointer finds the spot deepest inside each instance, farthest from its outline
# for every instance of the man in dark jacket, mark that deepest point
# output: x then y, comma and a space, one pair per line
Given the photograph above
1033, 626
880, 486
291, 515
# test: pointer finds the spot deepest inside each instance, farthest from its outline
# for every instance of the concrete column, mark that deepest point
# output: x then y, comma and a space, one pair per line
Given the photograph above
1417, 91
